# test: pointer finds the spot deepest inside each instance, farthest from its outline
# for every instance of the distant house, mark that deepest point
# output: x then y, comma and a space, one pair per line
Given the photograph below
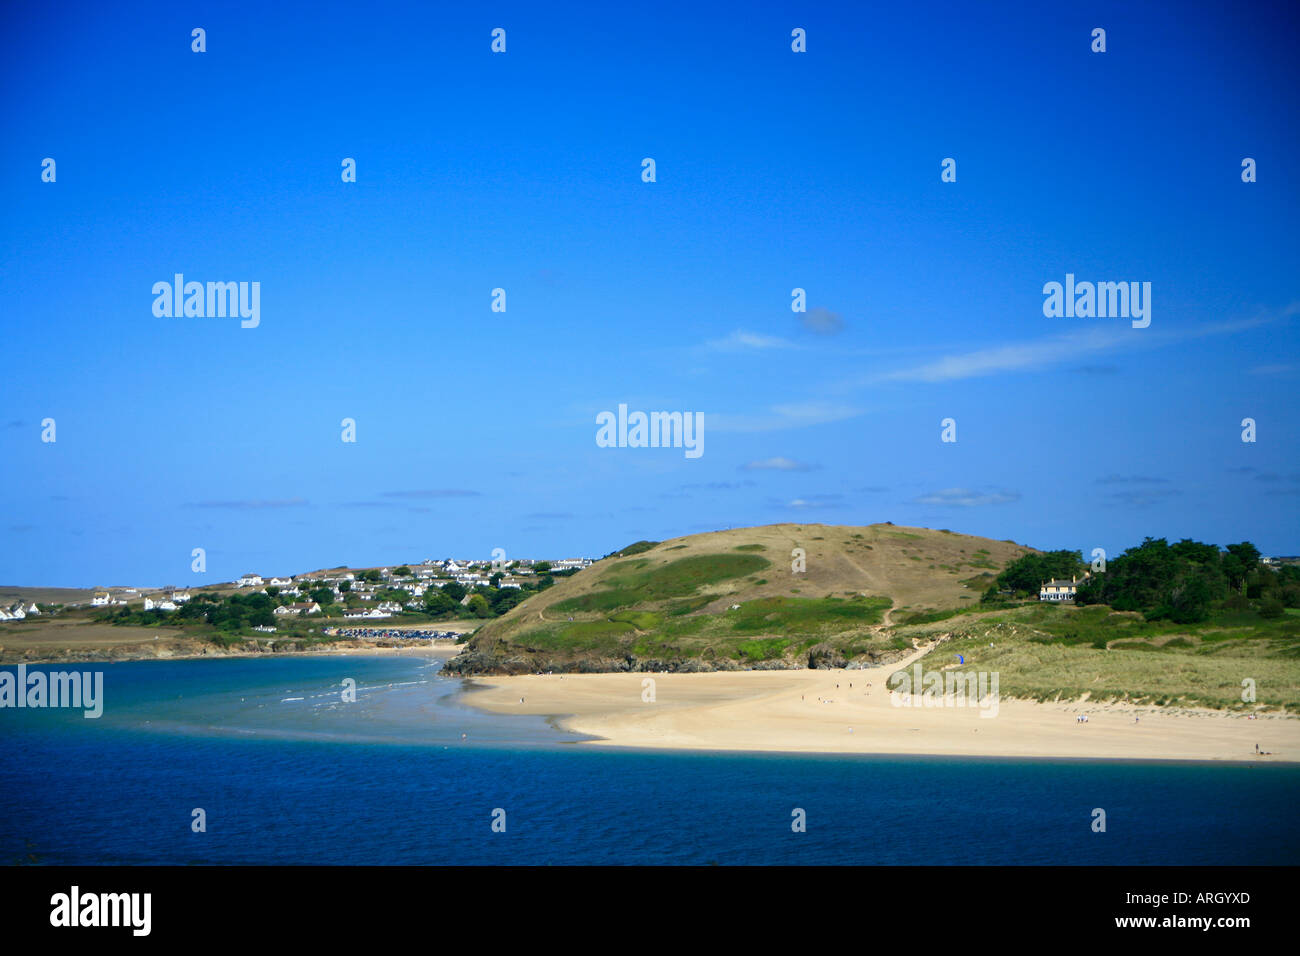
151, 605
568, 564
306, 607
281, 582
180, 597
101, 599
373, 612
250, 581
1058, 590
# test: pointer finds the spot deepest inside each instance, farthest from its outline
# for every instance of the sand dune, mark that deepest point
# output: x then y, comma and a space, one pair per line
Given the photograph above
817, 711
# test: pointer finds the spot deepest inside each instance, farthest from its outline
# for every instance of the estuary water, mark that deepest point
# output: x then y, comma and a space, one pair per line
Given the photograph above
285, 771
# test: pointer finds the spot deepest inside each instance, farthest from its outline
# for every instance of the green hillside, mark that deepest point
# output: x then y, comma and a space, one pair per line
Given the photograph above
742, 598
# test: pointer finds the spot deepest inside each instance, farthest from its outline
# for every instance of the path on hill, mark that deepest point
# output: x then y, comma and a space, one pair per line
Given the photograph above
873, 584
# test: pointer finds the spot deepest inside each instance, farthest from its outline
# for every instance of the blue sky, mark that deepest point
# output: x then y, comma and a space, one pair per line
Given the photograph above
775, 170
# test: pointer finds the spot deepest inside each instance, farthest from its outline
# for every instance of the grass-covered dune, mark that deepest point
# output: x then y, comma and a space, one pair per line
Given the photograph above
1235, 660
775, 596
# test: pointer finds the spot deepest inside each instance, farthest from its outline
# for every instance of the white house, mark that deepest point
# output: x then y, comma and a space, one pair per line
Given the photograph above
373, 612
284, 610
306, 607
101, 599
180, 597
281, 582
251, 581
152, 605
1058, 590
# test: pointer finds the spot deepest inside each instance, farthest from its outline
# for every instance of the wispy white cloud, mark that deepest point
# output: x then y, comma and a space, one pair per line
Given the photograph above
794, 415
1017, 357
1066, 347
777, 464
967, 498
809, 502
740, 341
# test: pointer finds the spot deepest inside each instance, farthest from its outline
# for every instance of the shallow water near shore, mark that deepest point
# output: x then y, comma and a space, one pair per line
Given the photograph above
288, 772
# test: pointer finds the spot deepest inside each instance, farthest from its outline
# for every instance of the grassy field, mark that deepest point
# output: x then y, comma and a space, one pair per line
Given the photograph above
1050, 652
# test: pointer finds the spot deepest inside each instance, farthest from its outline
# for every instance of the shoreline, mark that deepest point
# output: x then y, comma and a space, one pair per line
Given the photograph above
340, 649
804, 712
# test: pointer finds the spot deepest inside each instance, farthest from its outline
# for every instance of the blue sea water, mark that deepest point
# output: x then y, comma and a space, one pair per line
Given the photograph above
287, 773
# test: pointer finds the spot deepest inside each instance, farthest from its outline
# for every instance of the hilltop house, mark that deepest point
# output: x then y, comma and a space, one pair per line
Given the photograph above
1058, 590
250, 581
151, 605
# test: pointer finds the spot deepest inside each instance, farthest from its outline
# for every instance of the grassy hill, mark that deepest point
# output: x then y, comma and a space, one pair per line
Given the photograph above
731, 599
1061, 652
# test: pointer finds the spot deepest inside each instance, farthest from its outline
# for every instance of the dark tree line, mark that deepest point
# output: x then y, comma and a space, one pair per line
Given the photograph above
1182, 582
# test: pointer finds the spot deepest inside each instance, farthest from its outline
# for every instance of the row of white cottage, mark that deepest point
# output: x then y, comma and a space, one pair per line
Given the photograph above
19, 611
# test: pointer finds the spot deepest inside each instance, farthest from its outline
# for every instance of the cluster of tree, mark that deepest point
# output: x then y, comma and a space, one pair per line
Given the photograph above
1186, 581
1182, 582
231, 613
484, 601
1024, 575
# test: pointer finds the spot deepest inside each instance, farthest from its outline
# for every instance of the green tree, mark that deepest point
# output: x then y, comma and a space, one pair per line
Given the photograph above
479, 606
435, 602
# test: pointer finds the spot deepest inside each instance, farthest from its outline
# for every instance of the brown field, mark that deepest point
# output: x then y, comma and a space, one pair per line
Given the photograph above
80, 639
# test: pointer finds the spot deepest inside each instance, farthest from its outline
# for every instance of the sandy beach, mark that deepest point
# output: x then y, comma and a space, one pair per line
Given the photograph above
849, 711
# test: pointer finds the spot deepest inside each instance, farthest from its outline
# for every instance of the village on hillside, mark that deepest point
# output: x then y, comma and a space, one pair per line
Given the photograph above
445, 588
